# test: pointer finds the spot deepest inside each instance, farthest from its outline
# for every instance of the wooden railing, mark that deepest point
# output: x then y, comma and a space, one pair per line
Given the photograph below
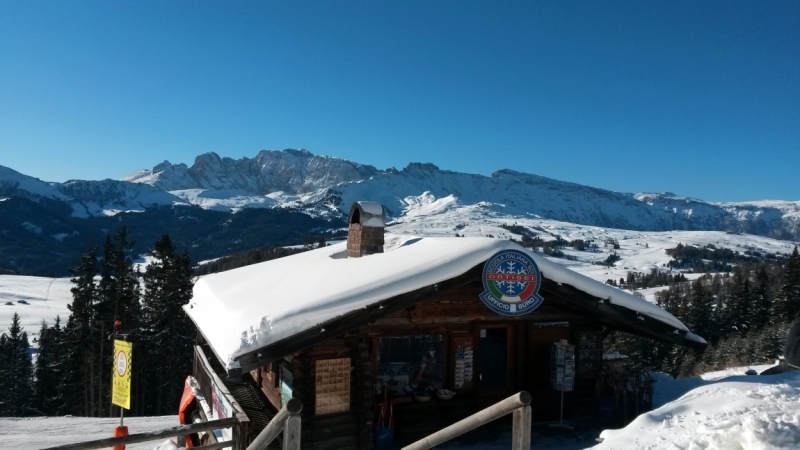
287, 421
156, 435
518, 404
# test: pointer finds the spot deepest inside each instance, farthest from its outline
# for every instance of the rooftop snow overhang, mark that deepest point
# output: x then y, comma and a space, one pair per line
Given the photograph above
409, 275
557, 294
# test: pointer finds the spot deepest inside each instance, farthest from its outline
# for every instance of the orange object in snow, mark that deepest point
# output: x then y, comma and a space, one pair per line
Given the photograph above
119, 432
186, 400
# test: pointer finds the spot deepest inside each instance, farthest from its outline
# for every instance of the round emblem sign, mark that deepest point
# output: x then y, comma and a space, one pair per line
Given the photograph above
122, 364
511, 281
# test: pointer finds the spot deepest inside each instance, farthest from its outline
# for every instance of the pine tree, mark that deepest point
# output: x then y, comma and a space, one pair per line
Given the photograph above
740, 303
16, 371
700, 310
787, 304
118, 309
762, 299
79, 361
47, 370
169, 340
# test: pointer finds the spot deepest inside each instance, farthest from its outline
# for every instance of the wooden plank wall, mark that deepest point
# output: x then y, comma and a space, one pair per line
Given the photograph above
352, 430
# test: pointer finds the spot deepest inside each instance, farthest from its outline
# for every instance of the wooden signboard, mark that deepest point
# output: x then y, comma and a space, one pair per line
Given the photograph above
449, 312
332, 386
464, 362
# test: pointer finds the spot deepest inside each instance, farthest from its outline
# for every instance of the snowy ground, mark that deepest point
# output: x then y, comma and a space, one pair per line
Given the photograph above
43, 432
723, 410
640, 251
34, 299
733, 413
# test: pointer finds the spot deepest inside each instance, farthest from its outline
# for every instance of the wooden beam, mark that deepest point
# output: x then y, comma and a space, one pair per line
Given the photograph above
214, 446
571, 298
151, 436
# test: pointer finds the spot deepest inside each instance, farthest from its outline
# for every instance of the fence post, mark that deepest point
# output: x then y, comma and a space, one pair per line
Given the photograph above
291, 433
521, 431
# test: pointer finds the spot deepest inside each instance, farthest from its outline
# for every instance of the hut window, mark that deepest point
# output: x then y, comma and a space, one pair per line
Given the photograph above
286, 384
332, 386
410, 364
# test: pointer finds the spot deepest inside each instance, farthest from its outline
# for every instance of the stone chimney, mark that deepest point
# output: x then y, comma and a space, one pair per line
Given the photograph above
365, 230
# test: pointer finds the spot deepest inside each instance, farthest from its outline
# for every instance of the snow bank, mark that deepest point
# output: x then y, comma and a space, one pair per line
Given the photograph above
738, 412
251, 307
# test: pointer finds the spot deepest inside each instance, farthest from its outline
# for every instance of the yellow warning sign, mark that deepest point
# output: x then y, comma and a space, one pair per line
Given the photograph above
121, 393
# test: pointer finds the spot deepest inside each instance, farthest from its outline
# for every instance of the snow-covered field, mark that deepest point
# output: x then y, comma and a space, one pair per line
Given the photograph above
43, 432
640, 251
34, 299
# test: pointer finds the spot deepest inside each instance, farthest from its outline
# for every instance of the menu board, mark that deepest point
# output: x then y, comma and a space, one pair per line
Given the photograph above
562, 366
464, 362
332, 386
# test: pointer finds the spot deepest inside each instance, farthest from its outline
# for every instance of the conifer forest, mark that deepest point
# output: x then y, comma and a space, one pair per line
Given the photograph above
744, 314
111, 299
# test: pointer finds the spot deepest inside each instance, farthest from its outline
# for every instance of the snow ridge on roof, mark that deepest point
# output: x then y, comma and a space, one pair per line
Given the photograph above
254, 306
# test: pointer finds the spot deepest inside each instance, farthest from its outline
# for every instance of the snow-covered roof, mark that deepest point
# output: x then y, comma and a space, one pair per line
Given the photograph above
249, 308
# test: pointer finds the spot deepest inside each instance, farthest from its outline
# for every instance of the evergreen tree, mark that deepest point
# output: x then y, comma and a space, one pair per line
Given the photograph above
700, 314
118, 309
740, 303
762, 299
16, 371
47, 370
80, 362
788, 301
169, 337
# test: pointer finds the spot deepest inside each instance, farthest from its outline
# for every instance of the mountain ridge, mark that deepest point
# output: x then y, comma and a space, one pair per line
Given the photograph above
325, 186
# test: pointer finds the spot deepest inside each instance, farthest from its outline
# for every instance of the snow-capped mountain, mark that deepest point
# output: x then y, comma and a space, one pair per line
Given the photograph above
291, 171
325, 186
220, 205
87, 198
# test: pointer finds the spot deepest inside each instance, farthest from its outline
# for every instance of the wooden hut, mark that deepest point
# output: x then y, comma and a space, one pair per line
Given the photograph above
341, 327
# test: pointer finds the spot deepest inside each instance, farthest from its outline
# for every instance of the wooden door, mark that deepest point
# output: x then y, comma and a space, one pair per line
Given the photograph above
546, 403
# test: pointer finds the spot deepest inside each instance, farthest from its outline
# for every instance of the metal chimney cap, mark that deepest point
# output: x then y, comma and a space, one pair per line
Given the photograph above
368, 214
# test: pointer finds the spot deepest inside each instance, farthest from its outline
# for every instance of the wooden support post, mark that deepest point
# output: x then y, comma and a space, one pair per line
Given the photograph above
521, 431
291, 433
483, 417
292, 409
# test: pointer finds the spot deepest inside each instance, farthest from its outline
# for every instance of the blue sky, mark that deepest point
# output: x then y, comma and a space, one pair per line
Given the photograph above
697, 98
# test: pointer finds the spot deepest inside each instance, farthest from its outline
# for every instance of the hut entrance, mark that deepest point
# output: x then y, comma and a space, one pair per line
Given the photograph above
494, 360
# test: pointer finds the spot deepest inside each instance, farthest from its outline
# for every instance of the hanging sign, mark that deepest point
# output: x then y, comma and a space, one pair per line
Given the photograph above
121, 382
511, 280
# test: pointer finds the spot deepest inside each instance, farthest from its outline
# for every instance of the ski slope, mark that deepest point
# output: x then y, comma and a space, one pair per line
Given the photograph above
42, 432
34, 299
